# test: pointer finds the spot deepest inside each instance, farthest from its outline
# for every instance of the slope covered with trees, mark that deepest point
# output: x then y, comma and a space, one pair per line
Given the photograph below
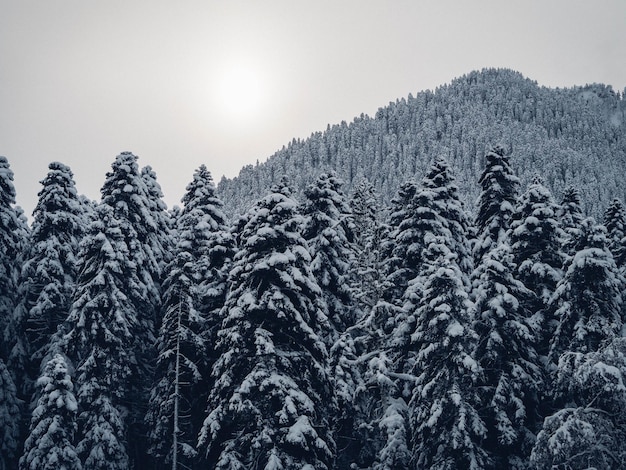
568, 135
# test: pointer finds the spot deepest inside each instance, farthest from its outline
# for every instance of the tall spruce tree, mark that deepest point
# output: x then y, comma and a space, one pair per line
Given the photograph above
50, 443
49, 272
367, 228
99, 338
447, 428
615, 222
10, 415
126, 193
512, 373
194, 291
536, 243
586, 306
13, 232
589, 431
496, 202
571, 217
448, 205
272, 404
162, 243
328, 232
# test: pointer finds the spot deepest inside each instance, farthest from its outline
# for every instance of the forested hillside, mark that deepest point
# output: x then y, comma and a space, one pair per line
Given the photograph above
382, 324
568, 135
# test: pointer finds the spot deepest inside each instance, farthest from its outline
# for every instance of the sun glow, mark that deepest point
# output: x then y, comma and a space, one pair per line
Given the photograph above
242, 90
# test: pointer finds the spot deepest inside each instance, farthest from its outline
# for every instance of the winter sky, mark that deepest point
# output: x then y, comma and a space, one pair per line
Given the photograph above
227, 83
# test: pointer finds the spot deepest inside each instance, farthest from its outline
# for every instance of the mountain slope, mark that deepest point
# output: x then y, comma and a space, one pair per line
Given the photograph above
567, 135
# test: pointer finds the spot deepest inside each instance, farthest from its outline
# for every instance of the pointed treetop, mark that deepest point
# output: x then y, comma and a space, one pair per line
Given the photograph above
7, 189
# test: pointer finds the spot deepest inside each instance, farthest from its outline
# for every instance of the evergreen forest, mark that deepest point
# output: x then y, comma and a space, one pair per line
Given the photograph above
436, 287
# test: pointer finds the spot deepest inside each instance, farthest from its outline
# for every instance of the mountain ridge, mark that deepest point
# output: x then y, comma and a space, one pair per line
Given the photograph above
574, 135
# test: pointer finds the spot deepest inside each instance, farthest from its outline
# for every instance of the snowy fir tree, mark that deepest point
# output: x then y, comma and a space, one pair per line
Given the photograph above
512, 373
535, 242
49, 272
447, 429
589, 431
272, 404
329, 233
162, 243
448, 205
615, 223
13, 231
586, 306
401, 248
99, 338
10, 415
194, 291
125, 191
496, 202
570, 217
50, 443
365, 206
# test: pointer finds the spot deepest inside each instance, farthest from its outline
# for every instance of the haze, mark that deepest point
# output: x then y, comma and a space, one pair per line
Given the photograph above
229, 83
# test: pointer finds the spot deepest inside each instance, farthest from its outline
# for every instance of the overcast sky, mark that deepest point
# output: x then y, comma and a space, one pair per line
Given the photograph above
225, 83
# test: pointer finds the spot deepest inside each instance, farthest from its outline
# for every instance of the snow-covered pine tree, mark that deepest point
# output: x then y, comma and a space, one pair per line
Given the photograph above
329, 233
512, 373
272, 403
496, 202
125, 191
586, 306
13, 233
590, 431
447, 429
49, 271
447, 203
364, 202
99, 338
194, 291
535, 242
401, 247
570, 217
50, 443
615, 222
10, 415
163, 243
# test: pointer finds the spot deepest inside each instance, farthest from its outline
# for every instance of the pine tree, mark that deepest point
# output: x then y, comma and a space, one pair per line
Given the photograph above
535, 243
589, 431
615, 222
446, 427
53, 425
329, 234
571, 217
13, 232
586, 304
162, 243
99, 338
402, 247
49, 272
512, 372
194, 291
367, 229
125, 191
9, 419
496, 202
450, 208
271, 406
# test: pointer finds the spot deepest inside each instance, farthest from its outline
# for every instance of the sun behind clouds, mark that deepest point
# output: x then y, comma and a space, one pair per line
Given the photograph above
242, 90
